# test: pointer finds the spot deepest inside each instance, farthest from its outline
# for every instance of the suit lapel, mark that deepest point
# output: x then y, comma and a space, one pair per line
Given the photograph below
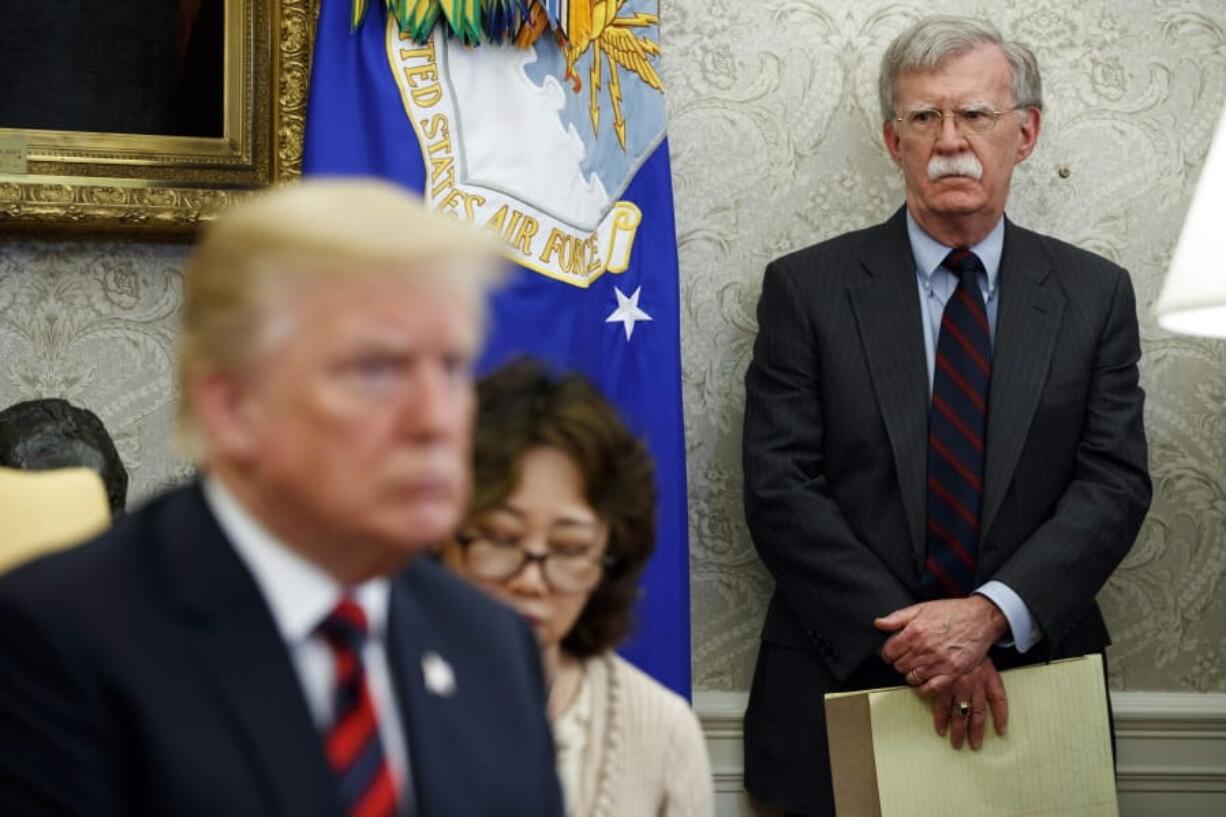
243, 655
887, 311
428, 729
1028, 322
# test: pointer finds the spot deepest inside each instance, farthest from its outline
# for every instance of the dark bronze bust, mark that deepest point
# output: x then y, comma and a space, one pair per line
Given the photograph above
38, 435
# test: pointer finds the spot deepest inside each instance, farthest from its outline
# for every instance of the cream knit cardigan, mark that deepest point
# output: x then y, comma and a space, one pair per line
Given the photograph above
629, 747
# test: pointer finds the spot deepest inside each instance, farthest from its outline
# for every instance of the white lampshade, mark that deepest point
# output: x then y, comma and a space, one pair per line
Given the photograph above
1193, 299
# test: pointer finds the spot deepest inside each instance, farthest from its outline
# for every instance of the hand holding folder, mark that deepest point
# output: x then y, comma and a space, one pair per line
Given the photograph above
1055, 761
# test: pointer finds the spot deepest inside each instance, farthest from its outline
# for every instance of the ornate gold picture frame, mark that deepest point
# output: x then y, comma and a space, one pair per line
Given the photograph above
54, 180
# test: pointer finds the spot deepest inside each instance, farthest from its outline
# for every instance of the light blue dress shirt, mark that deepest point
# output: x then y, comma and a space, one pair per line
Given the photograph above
936, 286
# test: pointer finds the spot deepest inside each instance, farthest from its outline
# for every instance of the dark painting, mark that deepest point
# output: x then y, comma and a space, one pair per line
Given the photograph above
117, 66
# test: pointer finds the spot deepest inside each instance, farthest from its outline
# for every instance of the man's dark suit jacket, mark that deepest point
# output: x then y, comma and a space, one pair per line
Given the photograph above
835, 459
143, 674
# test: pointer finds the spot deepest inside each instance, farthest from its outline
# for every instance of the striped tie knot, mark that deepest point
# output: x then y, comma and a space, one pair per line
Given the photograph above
345, 627
962, 262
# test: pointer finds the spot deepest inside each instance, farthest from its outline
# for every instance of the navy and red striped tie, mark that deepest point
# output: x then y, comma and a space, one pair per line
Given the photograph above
956, 433
354, 751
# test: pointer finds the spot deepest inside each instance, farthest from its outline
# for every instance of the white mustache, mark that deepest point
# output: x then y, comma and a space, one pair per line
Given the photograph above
963, 164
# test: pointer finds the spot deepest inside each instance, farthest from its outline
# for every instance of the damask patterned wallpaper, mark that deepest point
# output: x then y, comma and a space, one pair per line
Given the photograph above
94, 323
776, 144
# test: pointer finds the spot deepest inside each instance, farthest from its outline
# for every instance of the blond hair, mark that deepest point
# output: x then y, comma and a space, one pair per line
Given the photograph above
329, 228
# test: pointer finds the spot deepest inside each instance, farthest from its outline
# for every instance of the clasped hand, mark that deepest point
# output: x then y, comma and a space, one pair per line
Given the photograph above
940, 648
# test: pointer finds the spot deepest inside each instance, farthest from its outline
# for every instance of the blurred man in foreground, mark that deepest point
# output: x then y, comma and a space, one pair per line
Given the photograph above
265, 641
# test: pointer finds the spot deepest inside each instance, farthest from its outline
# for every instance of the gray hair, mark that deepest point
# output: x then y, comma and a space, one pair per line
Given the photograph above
932, 40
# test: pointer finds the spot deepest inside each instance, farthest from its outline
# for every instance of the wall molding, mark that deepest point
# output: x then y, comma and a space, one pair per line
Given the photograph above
1171, 743
1172, 751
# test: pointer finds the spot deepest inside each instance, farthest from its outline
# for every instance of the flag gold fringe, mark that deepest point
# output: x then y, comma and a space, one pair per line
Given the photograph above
522, 22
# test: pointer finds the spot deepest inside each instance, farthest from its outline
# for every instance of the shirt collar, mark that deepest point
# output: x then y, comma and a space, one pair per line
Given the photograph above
298, 591
929, 253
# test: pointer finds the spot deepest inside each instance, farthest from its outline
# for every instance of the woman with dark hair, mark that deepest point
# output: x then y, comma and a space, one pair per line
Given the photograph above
561, 523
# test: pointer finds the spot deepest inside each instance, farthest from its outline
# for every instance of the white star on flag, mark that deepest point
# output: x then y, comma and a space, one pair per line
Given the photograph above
628, 312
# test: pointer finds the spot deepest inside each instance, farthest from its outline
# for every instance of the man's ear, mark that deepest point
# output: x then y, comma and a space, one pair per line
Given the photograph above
892, 143
1030, 127
225, 413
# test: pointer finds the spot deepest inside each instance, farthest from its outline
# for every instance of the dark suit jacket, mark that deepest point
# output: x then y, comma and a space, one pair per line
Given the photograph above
143, 674
835, 447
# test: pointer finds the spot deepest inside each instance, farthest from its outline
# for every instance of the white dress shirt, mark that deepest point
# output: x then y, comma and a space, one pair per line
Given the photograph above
300, 595
936, 286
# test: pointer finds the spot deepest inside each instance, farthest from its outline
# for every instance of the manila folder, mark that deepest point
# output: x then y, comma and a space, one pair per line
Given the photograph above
1055, 760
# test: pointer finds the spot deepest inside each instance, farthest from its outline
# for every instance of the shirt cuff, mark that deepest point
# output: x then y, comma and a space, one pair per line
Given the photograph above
1022, 626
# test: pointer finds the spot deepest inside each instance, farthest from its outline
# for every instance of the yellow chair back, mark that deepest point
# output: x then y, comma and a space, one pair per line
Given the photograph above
42, 511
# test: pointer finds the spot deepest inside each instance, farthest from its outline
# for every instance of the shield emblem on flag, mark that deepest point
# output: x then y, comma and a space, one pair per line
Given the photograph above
537, 144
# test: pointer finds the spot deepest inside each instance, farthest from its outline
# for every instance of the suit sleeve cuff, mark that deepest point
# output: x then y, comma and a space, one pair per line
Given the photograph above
1022, 626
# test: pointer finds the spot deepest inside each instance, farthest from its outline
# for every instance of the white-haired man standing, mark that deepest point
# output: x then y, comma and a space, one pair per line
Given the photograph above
269, 640
944, 452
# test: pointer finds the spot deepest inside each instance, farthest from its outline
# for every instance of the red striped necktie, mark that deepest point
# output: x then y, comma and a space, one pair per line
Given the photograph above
355, 753
956, 433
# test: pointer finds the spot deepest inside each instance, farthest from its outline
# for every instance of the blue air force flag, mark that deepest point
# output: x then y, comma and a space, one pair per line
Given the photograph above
550, 134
